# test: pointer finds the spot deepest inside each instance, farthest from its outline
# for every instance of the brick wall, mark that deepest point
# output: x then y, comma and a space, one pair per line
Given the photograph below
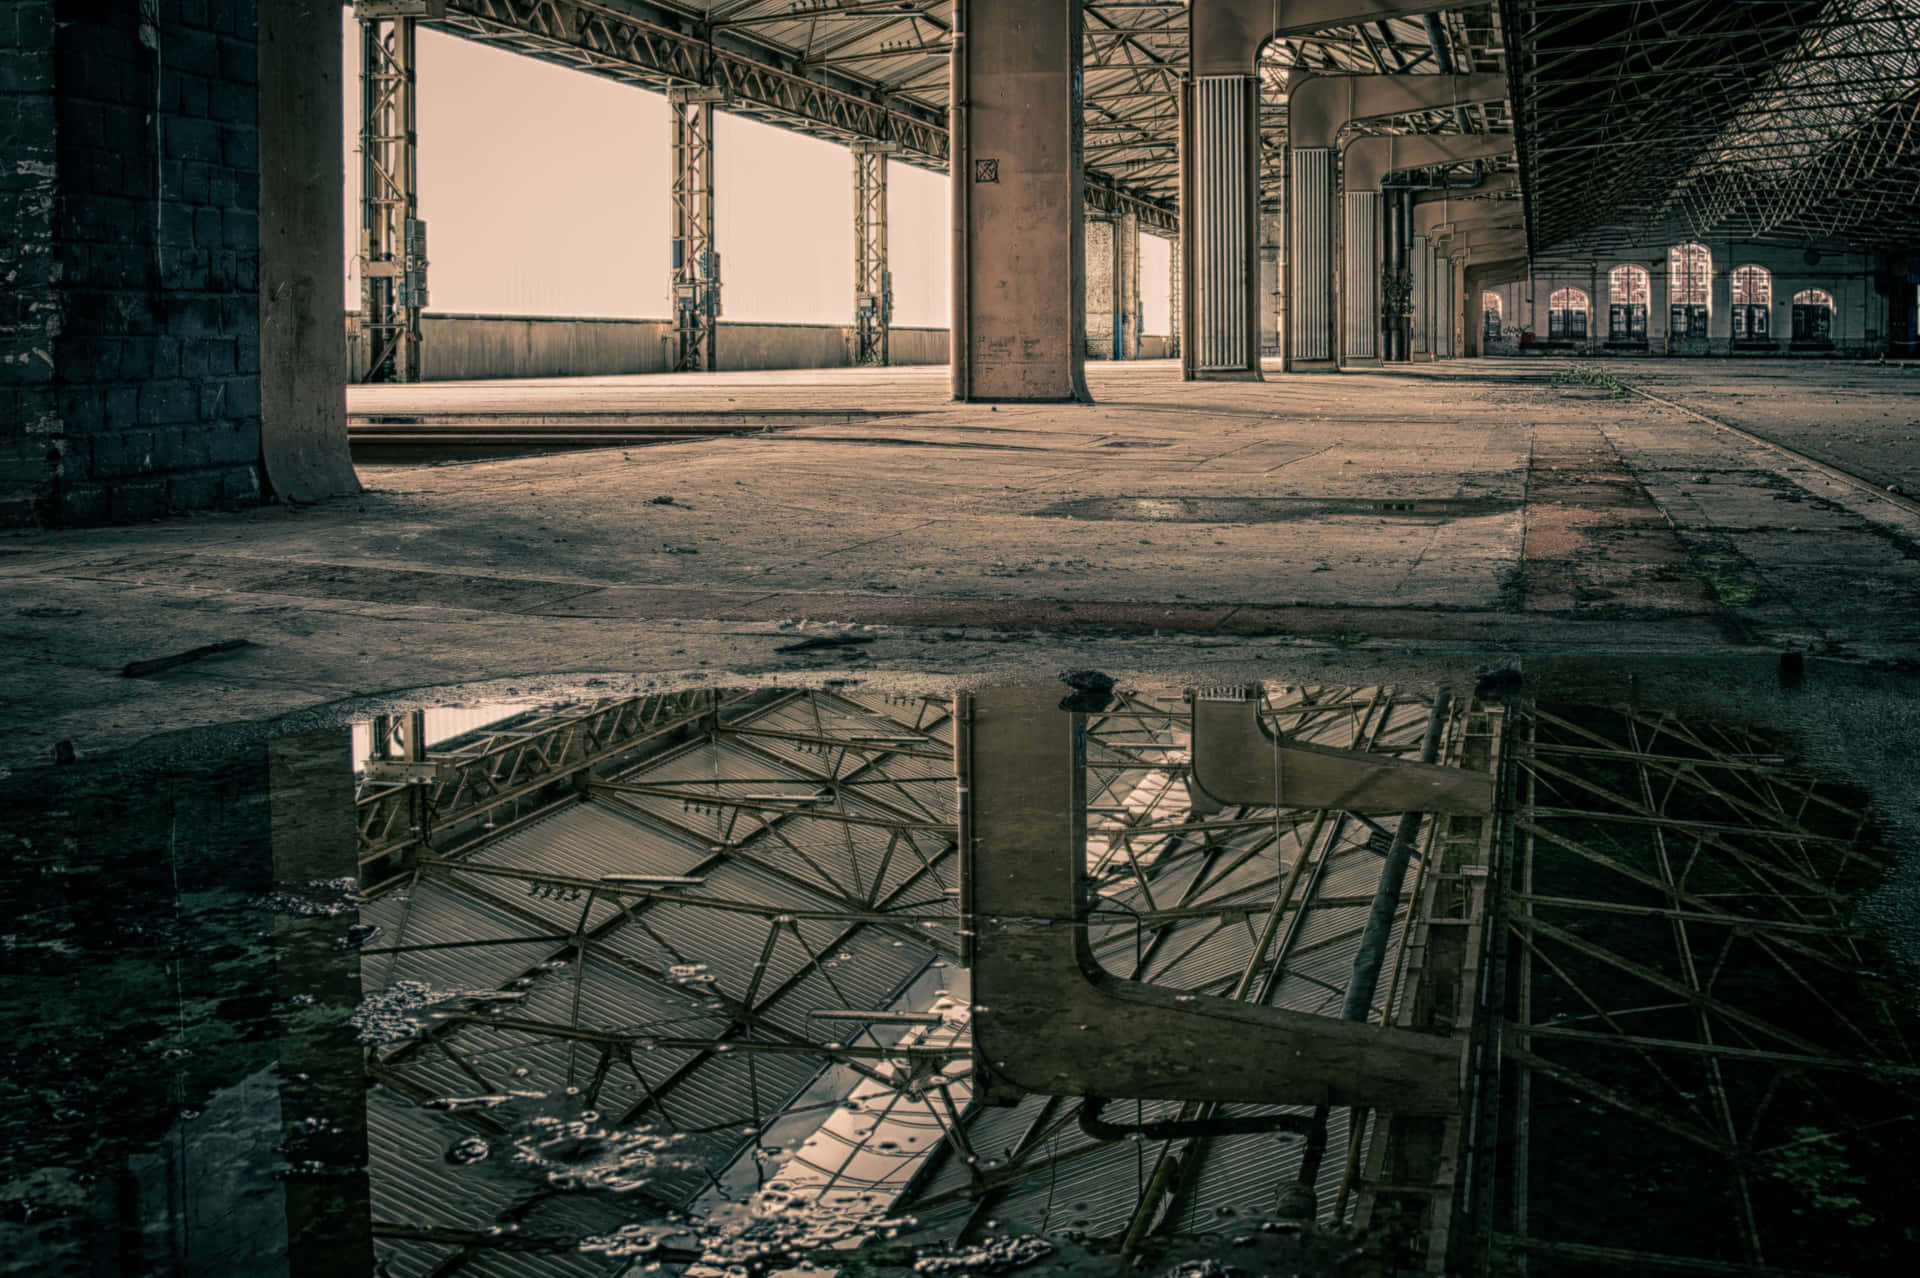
29, 300
154, 359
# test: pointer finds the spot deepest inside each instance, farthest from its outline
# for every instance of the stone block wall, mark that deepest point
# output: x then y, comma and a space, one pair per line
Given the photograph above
131, 355
29, 299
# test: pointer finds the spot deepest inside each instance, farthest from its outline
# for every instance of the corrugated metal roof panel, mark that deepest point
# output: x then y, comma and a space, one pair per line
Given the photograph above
433, 913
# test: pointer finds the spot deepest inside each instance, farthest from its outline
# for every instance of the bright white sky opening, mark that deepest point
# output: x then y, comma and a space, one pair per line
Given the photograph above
544, 191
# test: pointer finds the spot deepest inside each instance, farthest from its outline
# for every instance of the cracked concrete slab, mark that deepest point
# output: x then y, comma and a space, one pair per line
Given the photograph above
1597, 538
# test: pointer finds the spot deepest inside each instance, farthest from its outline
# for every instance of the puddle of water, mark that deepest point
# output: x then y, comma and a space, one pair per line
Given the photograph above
694, 982
1271, 510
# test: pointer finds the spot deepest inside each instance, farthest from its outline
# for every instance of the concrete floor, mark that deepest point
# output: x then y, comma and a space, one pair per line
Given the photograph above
1572, 522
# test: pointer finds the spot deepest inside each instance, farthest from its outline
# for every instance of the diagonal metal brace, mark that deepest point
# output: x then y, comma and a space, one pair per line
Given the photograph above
1049, 1019
1238, 759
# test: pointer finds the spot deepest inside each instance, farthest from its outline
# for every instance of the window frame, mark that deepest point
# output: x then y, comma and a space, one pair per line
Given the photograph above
1627, 318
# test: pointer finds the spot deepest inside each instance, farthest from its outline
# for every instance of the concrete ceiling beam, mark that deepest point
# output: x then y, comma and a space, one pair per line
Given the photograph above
1493, 184
1049, 1019
1228, 35
1320, 106
1370, 159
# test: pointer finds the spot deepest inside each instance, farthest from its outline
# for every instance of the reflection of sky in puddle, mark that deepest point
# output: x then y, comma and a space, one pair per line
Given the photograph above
708, 1010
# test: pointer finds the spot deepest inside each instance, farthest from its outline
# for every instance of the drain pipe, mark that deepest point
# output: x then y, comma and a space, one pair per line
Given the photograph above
1443, 62
1300, 1198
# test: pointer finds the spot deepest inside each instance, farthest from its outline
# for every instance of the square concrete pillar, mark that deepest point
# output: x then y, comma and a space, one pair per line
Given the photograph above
1272, 230
1720, 301
1103, 288
1019, 264
1114, 310
131, 198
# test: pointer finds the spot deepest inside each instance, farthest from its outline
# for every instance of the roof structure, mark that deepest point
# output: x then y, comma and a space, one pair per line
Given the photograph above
847, 69
1784, 118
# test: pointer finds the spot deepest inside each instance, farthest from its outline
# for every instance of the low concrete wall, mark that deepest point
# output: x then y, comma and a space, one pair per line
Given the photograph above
478, 347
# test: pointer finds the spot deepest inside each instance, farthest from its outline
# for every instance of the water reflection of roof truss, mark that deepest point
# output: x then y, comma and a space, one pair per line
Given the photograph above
818, 828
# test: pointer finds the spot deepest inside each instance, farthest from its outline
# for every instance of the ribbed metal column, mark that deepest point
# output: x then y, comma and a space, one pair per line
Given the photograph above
1221, 234
1361, 280
1310, 256
1422, 299
1446, 311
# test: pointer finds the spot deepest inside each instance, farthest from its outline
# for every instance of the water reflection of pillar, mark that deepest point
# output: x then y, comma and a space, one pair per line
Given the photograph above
322, 1093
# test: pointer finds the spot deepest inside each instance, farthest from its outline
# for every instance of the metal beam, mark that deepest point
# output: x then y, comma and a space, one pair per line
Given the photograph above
393, 239
696, 262
872, 280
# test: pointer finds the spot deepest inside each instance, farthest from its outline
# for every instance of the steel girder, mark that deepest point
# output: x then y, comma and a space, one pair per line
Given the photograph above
393, 264
696, 259
1696, 118
872, 280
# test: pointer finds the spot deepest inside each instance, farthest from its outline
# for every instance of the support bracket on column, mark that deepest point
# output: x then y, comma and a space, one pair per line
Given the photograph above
1049, 1019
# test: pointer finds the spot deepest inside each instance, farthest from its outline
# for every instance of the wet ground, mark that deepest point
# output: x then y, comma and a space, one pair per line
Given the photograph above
659, 956
1574, 521
596, 983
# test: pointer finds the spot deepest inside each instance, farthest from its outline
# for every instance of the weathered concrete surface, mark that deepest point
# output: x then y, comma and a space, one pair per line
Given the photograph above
1585, 532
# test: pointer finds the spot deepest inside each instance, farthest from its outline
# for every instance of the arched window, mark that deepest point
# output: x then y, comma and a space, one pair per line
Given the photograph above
1567, 313
1813, 317
1752, 303
1690, 283
1627, 304
1490, 316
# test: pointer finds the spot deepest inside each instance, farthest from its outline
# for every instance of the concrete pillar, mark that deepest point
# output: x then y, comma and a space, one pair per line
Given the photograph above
129, 180
1422, 323
1175, 261
1103, 287
1272, 229
1019, 267
1114, 312
329, 1230
303, 341
1720, 301
1659, 317
1133, 311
